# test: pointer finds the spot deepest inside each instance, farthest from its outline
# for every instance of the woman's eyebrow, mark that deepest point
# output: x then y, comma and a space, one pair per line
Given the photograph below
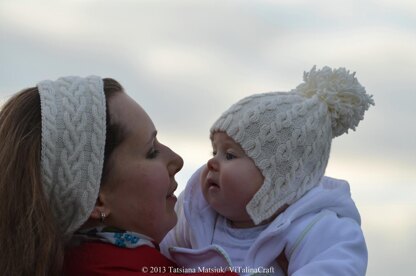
152, 137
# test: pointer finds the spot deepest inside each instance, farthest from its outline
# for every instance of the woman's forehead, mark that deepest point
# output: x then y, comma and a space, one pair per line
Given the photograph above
131, 117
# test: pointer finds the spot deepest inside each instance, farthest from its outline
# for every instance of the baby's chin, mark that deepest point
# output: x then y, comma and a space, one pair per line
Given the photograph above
245, 222
237, 221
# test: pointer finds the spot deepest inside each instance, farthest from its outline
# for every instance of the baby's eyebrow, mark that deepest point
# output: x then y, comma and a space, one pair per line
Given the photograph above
229, 145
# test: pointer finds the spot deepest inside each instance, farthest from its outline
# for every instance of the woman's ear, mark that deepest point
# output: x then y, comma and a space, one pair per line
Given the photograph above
100, 209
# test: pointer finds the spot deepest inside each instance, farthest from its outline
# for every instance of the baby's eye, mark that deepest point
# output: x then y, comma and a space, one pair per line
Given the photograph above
229, 156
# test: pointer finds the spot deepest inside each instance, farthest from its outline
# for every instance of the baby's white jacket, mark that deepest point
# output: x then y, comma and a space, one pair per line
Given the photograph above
320, 234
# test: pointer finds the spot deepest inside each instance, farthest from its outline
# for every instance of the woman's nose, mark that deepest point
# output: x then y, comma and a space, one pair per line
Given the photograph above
176, 162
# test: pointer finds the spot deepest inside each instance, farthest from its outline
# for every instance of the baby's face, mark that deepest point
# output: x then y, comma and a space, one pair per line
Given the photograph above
230, 179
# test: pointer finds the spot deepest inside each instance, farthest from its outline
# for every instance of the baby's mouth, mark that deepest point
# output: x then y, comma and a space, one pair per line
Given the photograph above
212, 184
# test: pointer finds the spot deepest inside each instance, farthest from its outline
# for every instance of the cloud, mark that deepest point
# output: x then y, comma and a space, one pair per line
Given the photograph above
388, 229
185, 62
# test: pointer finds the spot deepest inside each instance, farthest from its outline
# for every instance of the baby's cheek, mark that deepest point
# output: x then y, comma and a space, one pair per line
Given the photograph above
204, 173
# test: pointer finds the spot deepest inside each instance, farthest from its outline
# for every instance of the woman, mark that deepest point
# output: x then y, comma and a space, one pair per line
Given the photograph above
85, 186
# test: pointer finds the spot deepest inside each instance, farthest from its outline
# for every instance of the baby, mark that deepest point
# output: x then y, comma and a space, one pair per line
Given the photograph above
262, 204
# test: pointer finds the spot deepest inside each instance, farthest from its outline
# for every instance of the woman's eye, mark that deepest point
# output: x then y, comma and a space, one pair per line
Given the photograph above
152, 153
229, 156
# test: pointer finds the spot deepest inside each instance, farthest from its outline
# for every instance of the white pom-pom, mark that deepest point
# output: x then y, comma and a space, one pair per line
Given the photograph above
344, 95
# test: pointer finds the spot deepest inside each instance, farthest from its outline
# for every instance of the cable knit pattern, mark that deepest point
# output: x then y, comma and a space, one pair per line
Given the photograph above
288, 134
73, 140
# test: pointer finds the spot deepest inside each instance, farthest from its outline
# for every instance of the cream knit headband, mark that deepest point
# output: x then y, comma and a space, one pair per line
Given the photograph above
72, 153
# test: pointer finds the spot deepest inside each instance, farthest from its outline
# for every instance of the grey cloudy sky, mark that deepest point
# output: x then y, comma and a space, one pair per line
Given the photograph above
185, 62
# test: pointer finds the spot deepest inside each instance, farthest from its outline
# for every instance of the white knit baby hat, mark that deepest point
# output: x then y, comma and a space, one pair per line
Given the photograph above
72, 152
288, 134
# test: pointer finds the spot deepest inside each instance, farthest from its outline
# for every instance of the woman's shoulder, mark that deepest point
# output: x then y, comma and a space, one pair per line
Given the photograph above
92, 258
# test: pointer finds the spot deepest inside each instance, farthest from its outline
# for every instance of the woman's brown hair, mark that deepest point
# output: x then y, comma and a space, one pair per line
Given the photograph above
30, 242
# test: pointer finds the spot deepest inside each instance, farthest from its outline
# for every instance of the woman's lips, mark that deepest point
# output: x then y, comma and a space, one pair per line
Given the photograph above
172, 191
171, 197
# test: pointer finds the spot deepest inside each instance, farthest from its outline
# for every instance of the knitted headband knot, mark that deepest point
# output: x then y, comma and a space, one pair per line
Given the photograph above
73, 115
288, 134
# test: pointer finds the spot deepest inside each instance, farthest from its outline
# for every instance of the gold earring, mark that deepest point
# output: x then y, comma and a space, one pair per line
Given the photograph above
102, 217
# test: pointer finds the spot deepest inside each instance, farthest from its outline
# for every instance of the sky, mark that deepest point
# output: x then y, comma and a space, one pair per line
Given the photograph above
185, 62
